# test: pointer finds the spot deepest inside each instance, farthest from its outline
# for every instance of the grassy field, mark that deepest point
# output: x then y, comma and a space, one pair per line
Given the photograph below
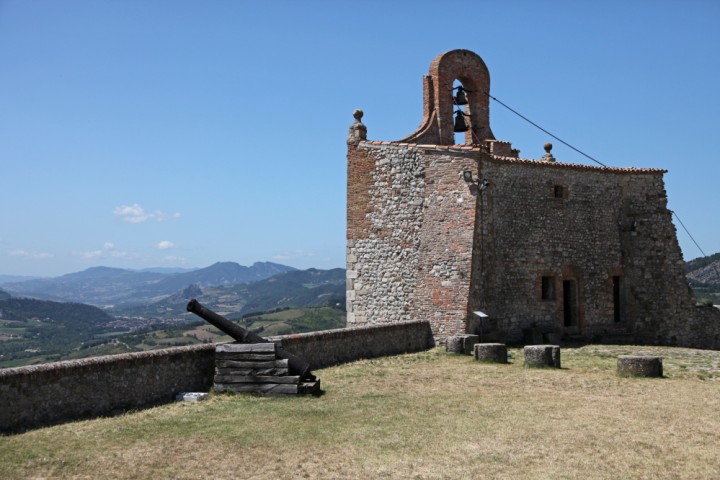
425, 415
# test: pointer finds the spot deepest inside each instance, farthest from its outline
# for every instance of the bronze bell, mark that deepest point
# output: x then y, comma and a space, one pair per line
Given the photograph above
460, 98
460, 124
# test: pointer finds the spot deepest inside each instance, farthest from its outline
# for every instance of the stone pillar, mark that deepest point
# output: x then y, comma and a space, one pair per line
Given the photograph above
491, 352
542, 356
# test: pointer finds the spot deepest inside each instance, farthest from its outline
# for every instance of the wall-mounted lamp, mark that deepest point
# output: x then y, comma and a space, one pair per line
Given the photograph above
481, 184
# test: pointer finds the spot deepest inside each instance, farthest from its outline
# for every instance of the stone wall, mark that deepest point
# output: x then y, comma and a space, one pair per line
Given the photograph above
49, 393
385, 200
410, 234
588, 225
425, 244
333, 347
445, 241
42, 394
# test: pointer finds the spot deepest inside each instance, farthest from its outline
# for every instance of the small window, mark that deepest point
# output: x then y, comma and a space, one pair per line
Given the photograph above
559, 191
548, 288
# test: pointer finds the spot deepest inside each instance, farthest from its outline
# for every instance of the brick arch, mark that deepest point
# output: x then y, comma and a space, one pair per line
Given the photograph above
437, 127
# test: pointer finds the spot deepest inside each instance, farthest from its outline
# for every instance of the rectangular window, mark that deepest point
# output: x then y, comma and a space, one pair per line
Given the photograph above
559, 191
548, 288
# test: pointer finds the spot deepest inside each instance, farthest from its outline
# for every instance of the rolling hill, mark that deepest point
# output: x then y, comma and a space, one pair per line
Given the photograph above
106, 287
298, 288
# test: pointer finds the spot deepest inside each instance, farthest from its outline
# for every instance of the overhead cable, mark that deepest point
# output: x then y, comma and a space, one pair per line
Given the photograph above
541, 128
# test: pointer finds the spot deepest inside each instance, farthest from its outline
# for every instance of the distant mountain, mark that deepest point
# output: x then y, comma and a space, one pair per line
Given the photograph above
97, 286
4, 295
218, 274
297, 288
15, 278
104, 286
704, 271
167, 270
307, 288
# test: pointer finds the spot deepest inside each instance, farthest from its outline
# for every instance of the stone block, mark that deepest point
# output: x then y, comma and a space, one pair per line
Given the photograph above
639, 366
491, 352
469, 342
454, 345
461, 344
542, 356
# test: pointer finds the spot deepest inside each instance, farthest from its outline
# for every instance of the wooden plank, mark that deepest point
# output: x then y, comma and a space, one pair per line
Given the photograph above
246, 347
280, 363
252, 371
257, 379
261, 357
264, 388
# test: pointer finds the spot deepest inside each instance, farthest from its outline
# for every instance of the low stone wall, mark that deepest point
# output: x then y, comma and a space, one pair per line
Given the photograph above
90, 387
332, 347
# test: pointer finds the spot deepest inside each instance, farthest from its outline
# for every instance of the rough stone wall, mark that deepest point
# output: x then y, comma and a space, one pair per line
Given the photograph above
409, 235
424, 244
602, 223
445, 242
42, 394
53, 392
384, 221
333, 347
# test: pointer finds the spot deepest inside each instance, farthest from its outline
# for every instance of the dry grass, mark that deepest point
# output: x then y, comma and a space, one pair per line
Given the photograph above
426, 415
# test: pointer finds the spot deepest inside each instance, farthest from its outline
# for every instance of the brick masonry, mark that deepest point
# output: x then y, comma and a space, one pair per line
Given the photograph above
548, 250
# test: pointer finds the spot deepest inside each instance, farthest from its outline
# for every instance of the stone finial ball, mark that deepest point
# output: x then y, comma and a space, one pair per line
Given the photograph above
358, 114
547, 147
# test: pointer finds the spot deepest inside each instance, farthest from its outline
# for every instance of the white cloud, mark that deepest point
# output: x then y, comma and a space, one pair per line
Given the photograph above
32, 255
136, 214
165, 245
89, 255
108, 251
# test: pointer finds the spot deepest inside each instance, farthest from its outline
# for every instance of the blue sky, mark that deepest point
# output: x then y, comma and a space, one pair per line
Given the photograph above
180, 133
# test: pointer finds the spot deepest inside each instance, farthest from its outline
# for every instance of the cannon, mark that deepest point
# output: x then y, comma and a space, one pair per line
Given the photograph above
297, 365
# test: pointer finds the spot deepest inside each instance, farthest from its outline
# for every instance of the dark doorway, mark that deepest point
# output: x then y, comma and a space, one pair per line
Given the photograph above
618, 299
570, 304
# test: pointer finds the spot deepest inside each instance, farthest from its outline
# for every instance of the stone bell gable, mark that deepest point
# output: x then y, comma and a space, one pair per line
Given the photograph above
547, 249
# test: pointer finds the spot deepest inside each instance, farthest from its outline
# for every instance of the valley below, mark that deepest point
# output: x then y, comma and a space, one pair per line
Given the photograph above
43, 320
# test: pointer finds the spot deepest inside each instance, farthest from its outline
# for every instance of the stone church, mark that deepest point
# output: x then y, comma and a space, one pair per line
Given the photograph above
547, 250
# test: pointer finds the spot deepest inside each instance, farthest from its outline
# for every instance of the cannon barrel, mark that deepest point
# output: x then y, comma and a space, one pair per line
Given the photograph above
297, 365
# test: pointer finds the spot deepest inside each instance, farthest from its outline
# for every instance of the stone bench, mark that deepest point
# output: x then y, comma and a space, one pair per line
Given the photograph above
491, 352
461, 344
542, 356
639, 366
